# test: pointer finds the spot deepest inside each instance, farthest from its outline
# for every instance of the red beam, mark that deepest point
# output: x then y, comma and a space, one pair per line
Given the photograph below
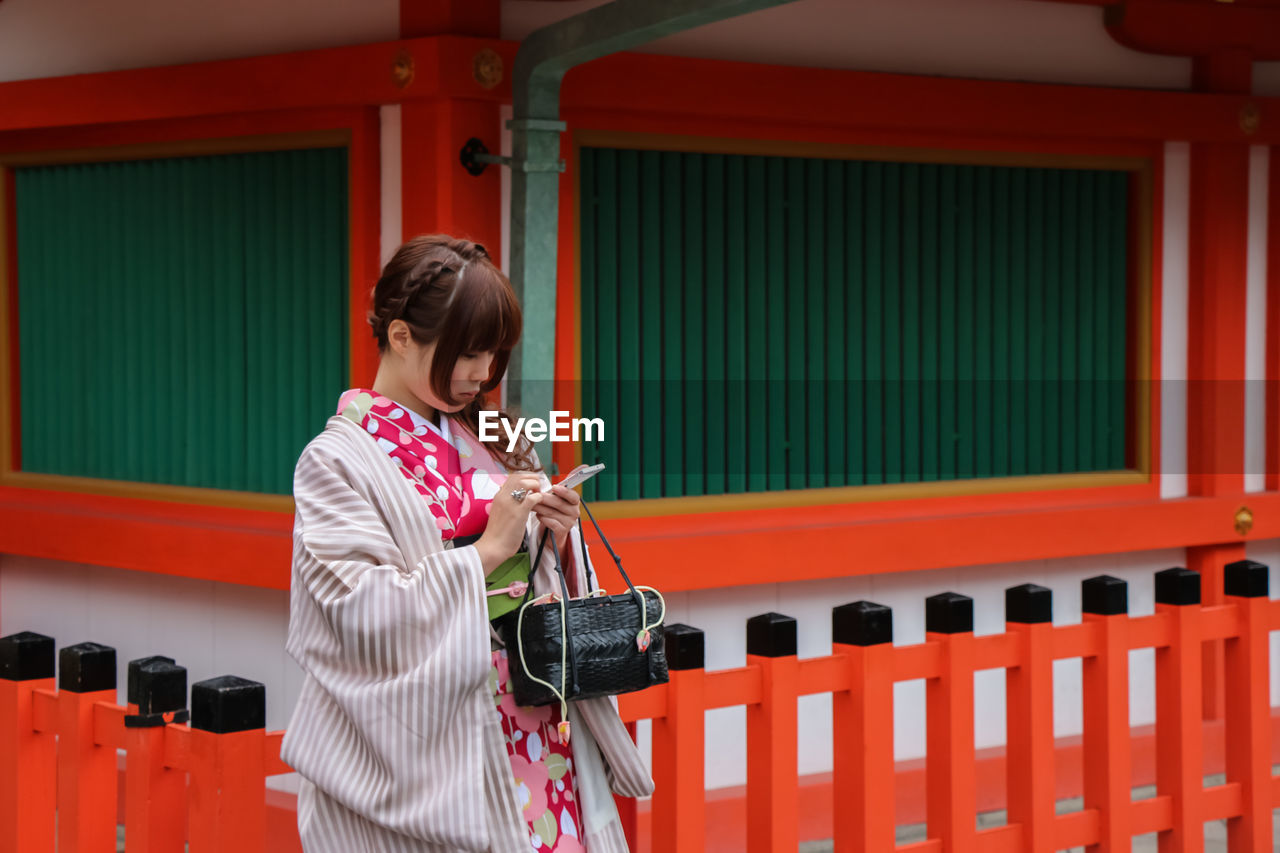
818, 100
344, 76
697, 89
1195, 27
677, 552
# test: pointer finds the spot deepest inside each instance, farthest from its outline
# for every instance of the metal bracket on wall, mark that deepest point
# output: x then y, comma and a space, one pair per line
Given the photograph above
475, 158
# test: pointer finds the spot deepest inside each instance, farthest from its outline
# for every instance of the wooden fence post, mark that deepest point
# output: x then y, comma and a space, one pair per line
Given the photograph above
862, 720
1247, 670
679, 748
155, 794
1029, 717
1107, 768
772, 789
28, 758
950, 768
228, 811
1179, 727
87, 773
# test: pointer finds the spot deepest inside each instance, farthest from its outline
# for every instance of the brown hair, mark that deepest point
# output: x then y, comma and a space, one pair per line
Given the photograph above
449, 292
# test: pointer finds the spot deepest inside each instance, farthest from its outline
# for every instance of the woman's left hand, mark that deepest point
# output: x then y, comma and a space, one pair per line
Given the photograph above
558, 512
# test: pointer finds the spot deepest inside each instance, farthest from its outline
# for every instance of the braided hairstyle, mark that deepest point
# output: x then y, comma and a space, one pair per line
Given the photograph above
449, 292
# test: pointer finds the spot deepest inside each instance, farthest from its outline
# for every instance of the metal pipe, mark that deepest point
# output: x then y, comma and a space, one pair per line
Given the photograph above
540, 66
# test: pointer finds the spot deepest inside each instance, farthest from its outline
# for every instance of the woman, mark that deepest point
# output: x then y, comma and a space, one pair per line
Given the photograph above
405, 734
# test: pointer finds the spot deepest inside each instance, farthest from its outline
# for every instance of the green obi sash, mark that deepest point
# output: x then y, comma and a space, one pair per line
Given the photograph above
511, 570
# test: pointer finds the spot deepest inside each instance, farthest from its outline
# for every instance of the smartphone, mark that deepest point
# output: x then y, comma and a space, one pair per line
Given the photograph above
579, 476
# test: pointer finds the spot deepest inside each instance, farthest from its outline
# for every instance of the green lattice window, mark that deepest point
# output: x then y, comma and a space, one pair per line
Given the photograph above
181, 321
754, 323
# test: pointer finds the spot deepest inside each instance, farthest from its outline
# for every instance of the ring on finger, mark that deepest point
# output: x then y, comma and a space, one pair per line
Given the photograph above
519, 494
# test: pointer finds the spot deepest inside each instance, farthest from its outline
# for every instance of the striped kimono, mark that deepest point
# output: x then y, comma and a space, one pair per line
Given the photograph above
395, 733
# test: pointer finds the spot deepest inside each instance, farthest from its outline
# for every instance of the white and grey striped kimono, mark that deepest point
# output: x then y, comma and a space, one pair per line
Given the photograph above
395, 732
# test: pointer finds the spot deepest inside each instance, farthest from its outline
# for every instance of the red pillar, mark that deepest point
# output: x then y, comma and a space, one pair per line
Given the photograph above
1217, 263
437, 194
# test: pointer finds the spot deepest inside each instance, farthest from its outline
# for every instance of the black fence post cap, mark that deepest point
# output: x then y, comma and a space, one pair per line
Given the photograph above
685, 645
861, 623
134, 670
948, 613
26, 656
1028, 604
227, 704
771, 635
1177, 586
162, 687
1104, 596
1246, 579
86, 668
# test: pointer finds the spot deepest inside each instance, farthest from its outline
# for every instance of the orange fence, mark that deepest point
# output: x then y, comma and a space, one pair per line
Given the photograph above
206, 781
860, 675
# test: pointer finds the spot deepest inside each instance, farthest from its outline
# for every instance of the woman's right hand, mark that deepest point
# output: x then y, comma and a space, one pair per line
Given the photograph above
507, 520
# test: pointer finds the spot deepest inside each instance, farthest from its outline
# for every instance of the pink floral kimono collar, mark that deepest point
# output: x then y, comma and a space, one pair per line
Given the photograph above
447, 465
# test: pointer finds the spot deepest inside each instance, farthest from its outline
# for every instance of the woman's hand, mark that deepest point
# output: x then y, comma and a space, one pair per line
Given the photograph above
507, 520
558, 512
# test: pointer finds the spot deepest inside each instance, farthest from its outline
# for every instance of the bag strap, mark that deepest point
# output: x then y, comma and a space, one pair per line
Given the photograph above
616, 559
566, 636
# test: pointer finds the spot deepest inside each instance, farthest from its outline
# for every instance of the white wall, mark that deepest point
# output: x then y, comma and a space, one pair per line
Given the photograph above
994, 39
997, 39
210, 628
49, 38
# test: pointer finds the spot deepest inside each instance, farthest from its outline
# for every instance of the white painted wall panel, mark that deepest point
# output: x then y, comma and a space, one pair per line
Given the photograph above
49, 38
210, 628
1255, 420
1173, 321
390, 170
1266, 78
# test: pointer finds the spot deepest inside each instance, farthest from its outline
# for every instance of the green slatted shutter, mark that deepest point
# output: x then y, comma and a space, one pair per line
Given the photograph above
181, 321
756, 323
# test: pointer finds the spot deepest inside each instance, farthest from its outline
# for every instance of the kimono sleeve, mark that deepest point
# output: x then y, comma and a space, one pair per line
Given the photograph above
396, 655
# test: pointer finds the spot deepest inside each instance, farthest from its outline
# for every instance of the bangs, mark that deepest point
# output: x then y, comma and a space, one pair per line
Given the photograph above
482, 316
483, 312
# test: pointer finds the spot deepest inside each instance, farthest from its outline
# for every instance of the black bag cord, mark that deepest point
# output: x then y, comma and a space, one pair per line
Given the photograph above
616, 559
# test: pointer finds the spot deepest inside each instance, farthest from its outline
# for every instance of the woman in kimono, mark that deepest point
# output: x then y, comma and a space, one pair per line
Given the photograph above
406, 735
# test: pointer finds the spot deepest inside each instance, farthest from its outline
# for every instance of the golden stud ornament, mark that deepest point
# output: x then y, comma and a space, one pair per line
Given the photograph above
1244, 520
402, 69
486, 67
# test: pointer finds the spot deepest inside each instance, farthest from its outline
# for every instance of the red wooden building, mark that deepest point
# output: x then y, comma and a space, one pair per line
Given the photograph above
900, 296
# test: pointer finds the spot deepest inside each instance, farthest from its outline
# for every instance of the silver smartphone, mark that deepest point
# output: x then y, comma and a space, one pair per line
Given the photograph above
578, 477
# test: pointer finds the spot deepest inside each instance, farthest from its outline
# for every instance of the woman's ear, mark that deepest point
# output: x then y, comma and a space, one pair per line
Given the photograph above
398, 336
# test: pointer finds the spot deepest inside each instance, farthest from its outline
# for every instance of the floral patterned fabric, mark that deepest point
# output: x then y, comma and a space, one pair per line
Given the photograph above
542, 767
456, 475
459, 479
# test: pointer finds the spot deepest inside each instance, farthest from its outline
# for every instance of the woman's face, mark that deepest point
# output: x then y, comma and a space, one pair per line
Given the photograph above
469, 373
